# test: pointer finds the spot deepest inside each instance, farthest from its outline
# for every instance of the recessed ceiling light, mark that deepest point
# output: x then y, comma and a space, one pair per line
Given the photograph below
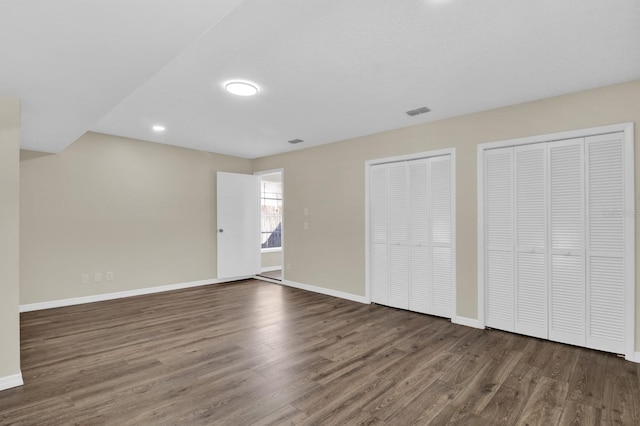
158, 128
241, 88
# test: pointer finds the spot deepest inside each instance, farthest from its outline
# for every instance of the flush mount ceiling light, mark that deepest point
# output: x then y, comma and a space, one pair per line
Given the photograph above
158, 128
241, 88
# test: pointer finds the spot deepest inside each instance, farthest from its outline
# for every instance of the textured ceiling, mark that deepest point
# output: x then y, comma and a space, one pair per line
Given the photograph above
327, 69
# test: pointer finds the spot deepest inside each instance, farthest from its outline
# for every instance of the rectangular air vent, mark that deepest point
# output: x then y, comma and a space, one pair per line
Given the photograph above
418, 111
294, 141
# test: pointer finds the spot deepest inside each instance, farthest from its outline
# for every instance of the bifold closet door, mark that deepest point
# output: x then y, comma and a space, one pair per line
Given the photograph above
411, 228
378, 223
398, 236
567, 242
555, 241
499, 223
605, 279
440, 238
530, 296
420, 289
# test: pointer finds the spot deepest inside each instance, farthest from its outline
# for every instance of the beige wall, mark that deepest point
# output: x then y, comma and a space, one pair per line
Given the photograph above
9, 217
329, 181
271, 258
144, 211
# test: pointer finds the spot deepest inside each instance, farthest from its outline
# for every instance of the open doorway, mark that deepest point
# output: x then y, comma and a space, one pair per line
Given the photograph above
271, 217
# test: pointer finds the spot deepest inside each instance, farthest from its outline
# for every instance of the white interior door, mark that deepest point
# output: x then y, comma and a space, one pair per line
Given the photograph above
411, 234
558, 236
441, 238
420, 259
238, 227
605, 191
531, 299
398, 237
567, 242
499, 238
379, 231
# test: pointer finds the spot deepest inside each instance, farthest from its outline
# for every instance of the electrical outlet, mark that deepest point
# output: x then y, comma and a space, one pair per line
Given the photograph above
306, 225
109, 276
85, 278
97, 277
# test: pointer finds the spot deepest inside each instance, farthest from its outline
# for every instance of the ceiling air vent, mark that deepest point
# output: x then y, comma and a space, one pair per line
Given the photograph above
418, 111
294, 141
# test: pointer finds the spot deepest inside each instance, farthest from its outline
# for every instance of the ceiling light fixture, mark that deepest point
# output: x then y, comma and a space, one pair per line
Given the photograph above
241, 88
158, 128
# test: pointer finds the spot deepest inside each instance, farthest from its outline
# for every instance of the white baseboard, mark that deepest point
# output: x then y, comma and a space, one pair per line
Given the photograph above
119, 295
635, 358
326, 291
12, 381
468, 322
271, 268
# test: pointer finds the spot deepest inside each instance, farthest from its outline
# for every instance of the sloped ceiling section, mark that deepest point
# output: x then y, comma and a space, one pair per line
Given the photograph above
327, 69
72, 61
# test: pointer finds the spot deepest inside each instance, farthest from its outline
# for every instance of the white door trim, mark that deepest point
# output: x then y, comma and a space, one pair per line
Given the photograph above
628, 130
410, 157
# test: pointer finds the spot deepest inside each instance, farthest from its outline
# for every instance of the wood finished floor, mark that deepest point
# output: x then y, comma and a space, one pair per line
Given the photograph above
256, 353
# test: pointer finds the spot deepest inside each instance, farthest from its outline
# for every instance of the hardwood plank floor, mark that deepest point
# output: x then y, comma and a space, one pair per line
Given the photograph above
256, 353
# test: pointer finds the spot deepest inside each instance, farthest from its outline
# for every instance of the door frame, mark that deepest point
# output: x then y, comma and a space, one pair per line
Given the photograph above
629, 175
410, 157
270, 172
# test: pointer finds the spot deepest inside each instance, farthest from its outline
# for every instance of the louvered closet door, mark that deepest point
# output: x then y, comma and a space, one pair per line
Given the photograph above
379, 254
419, 261
605, 242
530, 233
441, 225
499, 217
567, 242
398, 236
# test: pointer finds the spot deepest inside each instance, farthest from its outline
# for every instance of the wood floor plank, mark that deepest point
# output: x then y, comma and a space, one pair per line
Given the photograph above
621, 393
588, 378
401, 394
252, 352
505, 407
287, 415
545, 404
580, 414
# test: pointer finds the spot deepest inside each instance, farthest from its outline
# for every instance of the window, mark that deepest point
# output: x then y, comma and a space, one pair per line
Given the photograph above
271, 211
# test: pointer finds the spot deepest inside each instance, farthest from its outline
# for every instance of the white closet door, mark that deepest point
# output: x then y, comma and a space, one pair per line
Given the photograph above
499, 238
398, 237
379, 254
530, 234
605, 242
419, 261
567, 242
441, 225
